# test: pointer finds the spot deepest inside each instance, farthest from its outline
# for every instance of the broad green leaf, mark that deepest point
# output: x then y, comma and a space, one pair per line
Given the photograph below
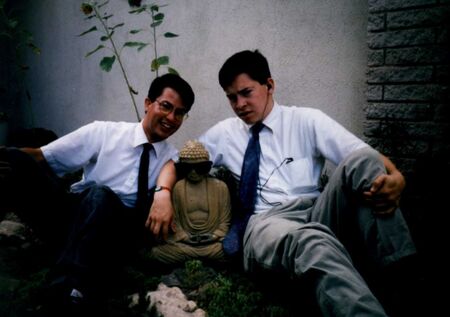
139, 45
159, 17
92, 29
107, 62
95, 50
172, 71
155, 24
154, 7
154, 65
170, 34
163, 60
135, 31
157, 62
104, 38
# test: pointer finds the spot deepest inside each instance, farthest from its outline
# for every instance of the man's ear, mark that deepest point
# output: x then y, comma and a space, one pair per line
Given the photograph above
147, 104
270, 85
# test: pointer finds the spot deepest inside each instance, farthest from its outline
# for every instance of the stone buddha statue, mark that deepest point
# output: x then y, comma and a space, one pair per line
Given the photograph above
201, 210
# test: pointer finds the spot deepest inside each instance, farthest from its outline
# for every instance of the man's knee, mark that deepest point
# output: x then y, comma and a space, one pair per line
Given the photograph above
361, 168
364, 156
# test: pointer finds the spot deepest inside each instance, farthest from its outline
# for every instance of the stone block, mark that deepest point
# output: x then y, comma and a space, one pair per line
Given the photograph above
400, 38
424, 131
400, 74
399, 111
413, 93
417, 18
442, 36
416, 55
380, 5
374, 92
400, 147
376, 22
375, 57
442, 113
442, 74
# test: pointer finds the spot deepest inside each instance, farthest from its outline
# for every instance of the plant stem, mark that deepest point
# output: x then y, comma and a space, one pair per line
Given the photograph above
154, 43
116, 52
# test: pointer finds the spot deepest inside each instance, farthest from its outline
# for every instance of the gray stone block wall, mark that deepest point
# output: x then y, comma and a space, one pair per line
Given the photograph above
407, 111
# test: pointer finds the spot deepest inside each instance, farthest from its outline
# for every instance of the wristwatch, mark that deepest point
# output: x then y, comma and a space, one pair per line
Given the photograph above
160, 188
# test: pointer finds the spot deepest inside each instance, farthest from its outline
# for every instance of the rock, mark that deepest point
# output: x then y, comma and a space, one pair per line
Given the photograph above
169, 302
11, 230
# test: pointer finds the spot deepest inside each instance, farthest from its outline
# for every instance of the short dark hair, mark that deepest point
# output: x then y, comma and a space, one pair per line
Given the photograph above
254, 64
176, 83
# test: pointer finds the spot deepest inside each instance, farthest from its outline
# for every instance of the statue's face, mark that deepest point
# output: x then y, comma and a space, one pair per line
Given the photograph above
197, 171
194, 177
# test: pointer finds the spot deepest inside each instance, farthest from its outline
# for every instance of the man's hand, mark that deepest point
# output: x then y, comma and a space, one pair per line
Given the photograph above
384, 194
160, 218
201, 239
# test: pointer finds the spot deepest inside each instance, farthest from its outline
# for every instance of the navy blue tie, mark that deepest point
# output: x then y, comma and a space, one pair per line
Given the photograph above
142, 193
250, 171
232, 243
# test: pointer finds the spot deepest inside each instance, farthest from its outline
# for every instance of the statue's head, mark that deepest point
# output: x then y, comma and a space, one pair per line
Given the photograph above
194, 163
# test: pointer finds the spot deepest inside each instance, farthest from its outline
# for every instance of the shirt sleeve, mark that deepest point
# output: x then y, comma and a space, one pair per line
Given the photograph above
212, 139
332, 140
74, 150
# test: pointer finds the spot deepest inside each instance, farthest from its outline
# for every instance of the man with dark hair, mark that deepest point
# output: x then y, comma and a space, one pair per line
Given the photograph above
284, 221
104, 215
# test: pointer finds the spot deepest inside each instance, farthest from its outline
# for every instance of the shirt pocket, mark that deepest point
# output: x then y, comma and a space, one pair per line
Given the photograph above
300, 176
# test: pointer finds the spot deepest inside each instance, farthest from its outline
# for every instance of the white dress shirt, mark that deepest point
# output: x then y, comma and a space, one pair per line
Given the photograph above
109, 154
294, 145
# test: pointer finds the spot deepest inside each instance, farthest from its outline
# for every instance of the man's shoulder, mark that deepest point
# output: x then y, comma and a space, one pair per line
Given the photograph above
300, 109
303, 114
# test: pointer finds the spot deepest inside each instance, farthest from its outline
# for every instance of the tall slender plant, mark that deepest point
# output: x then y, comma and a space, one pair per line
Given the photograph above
97, 11
94, 10
157, 18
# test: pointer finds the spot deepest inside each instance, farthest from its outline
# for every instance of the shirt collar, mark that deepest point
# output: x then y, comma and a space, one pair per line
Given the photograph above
140, 138
273, 117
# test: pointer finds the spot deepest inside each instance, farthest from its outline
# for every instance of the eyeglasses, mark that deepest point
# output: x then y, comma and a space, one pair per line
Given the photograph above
166, 108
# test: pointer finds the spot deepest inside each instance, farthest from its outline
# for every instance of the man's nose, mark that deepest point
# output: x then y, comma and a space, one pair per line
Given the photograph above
240, 101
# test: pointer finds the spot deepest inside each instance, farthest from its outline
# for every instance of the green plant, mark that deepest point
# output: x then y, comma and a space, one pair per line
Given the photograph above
94, 10
157, 18
225, 296
12, 30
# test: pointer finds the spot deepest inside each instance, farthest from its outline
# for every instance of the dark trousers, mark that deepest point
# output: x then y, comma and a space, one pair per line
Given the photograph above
91, 233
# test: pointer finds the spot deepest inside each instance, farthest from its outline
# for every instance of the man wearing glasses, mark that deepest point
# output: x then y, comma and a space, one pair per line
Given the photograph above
105, 213
287, 223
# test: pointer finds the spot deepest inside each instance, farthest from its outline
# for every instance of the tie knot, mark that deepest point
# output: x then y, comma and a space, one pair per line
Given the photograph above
147, 146
257, 127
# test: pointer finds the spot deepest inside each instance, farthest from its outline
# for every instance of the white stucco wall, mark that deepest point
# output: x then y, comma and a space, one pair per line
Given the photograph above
316, 50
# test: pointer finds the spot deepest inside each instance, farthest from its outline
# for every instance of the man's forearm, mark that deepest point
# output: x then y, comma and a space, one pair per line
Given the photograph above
36, 153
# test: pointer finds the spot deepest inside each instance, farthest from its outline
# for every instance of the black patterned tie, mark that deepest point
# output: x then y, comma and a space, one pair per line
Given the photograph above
250, 171
142, 193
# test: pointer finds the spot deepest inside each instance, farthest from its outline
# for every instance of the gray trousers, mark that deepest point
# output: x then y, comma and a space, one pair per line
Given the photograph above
305, 237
